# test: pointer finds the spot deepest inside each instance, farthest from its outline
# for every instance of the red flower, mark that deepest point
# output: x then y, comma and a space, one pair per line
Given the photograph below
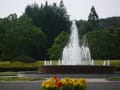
57, 82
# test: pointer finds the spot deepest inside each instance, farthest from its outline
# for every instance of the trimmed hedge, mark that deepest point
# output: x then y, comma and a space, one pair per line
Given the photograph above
18, 66
25, 59
117, 65
15, 69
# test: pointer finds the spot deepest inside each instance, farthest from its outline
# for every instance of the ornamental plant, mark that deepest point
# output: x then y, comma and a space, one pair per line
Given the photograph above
55, 83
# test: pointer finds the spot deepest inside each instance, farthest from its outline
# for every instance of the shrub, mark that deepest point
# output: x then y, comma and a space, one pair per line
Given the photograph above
25, 59
117, 65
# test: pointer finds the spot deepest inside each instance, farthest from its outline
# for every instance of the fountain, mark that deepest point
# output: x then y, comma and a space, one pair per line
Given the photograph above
75, 59
73, 53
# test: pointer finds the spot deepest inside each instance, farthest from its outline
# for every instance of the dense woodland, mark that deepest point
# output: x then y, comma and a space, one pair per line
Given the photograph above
43, 31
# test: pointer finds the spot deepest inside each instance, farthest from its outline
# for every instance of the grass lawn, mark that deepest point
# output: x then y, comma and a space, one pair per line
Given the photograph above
22, 66
4, 76
113, 78
8, 73
18, 79
112, 62
115, 63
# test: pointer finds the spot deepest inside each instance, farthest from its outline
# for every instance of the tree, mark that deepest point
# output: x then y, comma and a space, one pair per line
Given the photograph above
21, 37
93, 15
102, 44
52, 19
56, 50
93, 18
83, 27
117, 34
33, 11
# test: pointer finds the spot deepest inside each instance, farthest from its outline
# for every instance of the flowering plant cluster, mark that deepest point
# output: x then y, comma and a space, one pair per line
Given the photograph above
55, 83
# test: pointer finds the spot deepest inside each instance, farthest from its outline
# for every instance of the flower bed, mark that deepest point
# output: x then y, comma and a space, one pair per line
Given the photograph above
55, 83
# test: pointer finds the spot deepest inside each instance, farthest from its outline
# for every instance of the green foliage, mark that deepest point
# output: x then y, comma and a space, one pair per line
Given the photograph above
34, 34
21, 37
25, 59
52, 19
83, 27
117, 34
113, 79
56, 50
18, 79
116, 64
8, 73
93, 18
93, 15
102, 45
18, 66
104, 39
108, 23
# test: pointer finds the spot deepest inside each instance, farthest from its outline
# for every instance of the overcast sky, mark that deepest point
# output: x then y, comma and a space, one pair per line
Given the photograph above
77, 9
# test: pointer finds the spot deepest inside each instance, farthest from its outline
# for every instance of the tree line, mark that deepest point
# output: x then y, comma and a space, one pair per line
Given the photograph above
43, 31
33, 33
102, 35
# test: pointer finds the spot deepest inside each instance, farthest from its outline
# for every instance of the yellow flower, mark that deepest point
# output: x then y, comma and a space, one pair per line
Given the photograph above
63, 81
47, 83
75, 82
68, 81
82, 81
57, 82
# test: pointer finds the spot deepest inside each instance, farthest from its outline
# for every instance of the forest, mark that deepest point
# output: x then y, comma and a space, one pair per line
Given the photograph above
43, 31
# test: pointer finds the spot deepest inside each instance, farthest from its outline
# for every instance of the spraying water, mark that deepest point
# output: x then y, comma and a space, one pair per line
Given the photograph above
73, 54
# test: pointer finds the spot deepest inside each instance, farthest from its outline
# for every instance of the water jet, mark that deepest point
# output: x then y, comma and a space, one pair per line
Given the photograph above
75, 59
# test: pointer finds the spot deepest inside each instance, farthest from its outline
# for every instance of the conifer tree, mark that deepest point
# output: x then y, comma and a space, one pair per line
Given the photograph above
93, 18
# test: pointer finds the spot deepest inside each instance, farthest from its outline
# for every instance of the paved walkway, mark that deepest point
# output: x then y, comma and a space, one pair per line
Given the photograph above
94, 81
35, 74
92, 84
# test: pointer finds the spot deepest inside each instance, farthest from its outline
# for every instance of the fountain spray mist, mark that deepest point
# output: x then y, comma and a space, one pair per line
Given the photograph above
73, 53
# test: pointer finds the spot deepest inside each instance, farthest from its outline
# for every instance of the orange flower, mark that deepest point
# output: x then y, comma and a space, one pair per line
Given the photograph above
58, 83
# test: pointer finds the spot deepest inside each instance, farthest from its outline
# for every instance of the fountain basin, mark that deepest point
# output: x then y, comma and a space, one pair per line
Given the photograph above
75, 69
